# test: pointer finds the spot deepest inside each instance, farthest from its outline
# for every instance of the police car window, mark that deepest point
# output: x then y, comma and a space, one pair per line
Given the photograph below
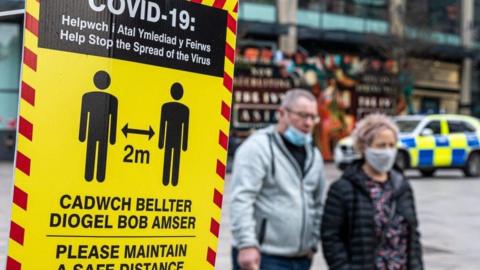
407, 126
435, 127
460, 127
470, 128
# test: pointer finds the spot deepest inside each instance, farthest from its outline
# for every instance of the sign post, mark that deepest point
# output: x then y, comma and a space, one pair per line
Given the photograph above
122, 136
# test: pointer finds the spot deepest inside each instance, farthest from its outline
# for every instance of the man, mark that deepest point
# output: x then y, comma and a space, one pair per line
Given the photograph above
277, 189
173, 134
98, 125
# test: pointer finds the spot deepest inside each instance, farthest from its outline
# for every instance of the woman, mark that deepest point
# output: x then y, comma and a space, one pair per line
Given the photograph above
370, 221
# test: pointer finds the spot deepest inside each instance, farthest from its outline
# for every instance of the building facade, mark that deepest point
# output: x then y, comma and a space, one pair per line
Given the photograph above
11, 27
431, 33
394, 56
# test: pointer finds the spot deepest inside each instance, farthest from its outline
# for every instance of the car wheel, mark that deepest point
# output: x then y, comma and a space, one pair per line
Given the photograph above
402, 160
472, 168
427, 172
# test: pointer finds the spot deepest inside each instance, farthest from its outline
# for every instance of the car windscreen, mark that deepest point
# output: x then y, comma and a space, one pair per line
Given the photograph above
407, 126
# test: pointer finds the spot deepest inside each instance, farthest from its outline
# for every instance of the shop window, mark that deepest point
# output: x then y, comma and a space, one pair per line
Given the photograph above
10, 57
435, 15
9, 5
311, 4
430, 105
476, 20
371, 9
266, 2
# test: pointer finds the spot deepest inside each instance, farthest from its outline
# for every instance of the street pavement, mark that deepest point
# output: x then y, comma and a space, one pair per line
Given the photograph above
448, 207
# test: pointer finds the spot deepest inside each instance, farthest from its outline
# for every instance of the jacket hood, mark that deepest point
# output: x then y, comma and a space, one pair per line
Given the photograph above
267, 130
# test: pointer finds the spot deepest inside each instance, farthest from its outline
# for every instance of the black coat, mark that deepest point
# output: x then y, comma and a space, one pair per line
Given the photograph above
348, 226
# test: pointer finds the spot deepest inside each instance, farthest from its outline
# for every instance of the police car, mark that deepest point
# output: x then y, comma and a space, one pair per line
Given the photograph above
428, 143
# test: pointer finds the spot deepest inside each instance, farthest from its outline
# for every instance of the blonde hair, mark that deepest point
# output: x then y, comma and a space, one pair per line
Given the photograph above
368, 127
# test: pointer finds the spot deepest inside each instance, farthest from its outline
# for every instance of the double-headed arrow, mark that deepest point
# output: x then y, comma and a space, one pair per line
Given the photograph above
148, 132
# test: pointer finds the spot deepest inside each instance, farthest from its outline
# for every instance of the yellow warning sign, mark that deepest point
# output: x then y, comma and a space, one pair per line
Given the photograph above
122, 138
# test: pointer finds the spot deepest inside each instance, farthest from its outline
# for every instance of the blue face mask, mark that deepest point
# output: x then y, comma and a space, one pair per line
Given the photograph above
297, 137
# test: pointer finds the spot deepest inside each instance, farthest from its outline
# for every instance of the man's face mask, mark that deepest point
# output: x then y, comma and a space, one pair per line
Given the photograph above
297, 137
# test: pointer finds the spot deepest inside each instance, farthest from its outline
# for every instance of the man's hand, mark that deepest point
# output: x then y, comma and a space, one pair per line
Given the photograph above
249, 258
311, 254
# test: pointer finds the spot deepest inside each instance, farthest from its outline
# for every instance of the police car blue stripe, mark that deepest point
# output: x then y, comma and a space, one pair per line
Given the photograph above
459, 157
442, 141
473, 141
425, 158
409, 142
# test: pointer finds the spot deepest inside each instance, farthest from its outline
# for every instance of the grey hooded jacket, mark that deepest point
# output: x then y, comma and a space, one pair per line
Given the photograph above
275, 205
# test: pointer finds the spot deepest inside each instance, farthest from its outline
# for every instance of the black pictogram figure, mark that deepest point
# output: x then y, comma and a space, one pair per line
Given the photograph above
98, 125
173, 134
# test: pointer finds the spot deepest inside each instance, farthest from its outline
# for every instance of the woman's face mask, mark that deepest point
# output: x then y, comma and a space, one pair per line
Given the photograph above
381, 159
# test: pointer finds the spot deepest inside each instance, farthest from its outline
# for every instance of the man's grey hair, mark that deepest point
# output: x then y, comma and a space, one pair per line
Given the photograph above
293, 95
368, 127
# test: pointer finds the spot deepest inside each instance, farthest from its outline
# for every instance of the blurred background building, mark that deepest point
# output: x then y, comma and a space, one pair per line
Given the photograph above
11, 28
356, 56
